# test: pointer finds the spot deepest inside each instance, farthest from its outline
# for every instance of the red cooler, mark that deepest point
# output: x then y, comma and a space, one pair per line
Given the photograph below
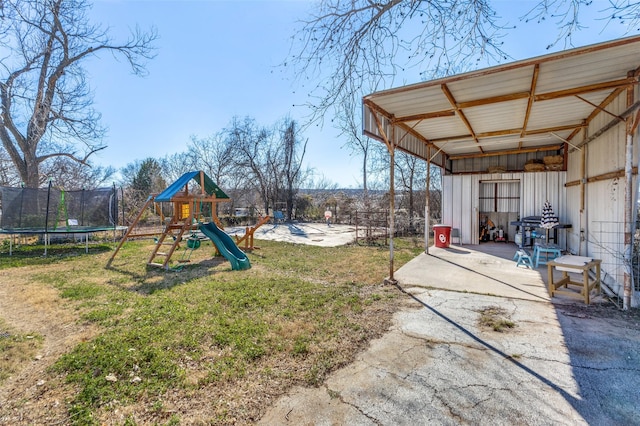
442, 235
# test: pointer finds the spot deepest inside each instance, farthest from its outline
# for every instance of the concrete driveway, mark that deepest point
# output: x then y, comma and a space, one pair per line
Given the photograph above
561, 362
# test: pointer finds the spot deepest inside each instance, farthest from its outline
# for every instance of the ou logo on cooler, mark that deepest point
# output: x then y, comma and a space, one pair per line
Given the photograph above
442, 238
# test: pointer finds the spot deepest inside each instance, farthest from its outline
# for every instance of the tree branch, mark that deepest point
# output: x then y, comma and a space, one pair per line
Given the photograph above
44, 88
72, 156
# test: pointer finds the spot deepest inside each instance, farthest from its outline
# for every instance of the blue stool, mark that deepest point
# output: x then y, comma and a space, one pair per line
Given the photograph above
523, 257
550, 252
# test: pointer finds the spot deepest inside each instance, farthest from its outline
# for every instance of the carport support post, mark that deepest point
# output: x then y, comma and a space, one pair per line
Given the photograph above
629, 199
391, 147
427, 224
392, 201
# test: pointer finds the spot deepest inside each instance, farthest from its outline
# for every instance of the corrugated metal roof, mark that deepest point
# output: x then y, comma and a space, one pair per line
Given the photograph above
487, 111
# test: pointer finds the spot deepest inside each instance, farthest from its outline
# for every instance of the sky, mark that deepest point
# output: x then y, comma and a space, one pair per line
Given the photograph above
219, 59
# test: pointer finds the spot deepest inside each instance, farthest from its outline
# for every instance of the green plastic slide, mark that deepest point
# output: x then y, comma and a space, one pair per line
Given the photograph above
226, 246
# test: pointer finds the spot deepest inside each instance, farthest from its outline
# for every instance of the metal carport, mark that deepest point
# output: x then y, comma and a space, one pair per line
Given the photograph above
555, 104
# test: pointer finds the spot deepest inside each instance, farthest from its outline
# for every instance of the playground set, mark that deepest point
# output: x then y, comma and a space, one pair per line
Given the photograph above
193, 213
51, 211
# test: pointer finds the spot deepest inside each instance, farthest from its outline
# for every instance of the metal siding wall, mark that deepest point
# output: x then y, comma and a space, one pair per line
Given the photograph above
604, 200
573, 217
466, 208
455, 219
574, 164
368, 121
447, 198
605, 155
531, 192
541, 187
572, 194
412, 144
459, 205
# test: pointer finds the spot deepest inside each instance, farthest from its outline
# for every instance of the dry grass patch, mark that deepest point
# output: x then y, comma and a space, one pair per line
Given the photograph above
495, 318
16, 349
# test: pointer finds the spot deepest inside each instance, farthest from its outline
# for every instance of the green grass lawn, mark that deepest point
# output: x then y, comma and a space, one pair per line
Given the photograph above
206, 344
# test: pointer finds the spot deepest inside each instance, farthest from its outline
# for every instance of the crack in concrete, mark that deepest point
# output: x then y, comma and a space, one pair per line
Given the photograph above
338, 395
454, 415
592, 368
441, 341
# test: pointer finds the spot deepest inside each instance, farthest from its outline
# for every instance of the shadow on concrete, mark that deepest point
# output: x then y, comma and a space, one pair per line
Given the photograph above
601, 342
451, 249
296, 230
479, 273
492, 348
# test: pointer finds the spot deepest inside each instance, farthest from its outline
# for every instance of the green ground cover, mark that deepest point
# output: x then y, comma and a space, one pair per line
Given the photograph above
207, 344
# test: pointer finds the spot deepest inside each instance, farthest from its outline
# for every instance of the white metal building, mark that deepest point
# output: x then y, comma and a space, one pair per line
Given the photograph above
492, 130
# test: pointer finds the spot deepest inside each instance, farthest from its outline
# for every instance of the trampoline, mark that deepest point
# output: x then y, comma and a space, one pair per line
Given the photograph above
53, 211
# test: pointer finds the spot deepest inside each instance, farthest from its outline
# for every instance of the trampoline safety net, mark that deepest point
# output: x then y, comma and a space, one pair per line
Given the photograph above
51, 209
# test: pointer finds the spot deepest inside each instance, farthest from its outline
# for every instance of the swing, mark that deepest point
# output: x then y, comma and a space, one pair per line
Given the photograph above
193, 242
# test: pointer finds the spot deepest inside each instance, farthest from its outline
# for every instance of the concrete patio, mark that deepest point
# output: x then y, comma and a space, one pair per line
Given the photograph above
482, 269
562, 362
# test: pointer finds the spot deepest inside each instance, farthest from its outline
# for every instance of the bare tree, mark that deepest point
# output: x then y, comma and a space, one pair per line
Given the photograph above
378, 167
71, 175
348, 122
566, 14
362, 39
254, 156
345, 43
291, 163
175, 165
269, 159
214, 155
411, 172
8, 175
45, 100
435, 193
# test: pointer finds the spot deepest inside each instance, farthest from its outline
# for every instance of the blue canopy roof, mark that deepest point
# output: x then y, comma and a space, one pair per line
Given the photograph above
209, 186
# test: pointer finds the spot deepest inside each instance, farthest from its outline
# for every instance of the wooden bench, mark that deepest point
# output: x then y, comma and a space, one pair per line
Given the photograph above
577, 264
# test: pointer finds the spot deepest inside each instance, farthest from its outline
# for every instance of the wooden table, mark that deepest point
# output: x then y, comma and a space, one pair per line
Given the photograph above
577, 264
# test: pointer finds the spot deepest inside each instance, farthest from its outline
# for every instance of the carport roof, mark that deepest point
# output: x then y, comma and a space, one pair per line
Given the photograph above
531, 105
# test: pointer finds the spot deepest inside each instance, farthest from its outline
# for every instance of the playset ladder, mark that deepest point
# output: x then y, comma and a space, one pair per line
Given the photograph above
162, 258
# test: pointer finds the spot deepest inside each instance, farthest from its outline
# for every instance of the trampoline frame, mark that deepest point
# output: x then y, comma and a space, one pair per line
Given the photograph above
70, 228
47, 235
